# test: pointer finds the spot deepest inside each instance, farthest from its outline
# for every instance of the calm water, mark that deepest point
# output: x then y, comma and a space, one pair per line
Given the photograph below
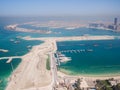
59, 32
6, 70
103, 60
15, 49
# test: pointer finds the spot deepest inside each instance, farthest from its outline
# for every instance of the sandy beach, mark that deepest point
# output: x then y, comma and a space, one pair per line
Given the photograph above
103, 37
31, 74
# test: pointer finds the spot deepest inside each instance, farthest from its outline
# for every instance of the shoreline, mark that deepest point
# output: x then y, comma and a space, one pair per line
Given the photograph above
92, 78
73, 38
31, 73
67, 72
63, 75
15, 27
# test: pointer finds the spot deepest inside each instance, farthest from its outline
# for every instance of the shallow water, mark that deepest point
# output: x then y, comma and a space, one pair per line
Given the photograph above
6, 70
103, 60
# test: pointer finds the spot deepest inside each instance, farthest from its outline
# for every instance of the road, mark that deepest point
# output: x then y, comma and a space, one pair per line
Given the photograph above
53, 69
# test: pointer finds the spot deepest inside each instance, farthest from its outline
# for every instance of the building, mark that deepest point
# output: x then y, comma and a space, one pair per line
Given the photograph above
96, 25
115, 25
111, 27
118, 28
115, 21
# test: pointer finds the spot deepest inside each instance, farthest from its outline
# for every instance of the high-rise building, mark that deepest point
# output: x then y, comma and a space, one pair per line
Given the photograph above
115, 21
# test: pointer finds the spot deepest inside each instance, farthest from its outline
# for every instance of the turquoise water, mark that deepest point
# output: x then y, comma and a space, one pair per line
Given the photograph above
14, 49
18, 49
81, 63
103, 60
6, 70
60, 32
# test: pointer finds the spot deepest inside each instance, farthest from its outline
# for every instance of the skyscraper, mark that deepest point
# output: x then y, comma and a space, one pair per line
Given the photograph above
115, 21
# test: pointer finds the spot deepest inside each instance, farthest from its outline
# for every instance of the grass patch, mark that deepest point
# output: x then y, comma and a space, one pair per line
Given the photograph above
103, 85
48, 63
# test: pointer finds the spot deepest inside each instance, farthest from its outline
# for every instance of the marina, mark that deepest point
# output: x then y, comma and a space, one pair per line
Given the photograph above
60, 45
76, 51
61, 58
72, 58
97, 57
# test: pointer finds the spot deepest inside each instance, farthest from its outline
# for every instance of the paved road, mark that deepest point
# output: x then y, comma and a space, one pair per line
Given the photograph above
53, 69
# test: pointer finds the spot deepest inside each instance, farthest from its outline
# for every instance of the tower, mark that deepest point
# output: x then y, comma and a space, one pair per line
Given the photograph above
115, 21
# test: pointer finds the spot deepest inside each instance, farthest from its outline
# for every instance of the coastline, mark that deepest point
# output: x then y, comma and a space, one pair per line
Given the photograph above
107, 29
70, 73
92, 77
15, 27
32, 73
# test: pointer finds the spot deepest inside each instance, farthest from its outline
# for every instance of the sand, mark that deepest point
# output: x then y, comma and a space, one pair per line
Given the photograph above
31, 74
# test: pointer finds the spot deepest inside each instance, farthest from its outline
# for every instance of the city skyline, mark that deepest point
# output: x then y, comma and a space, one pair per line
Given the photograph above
60, 8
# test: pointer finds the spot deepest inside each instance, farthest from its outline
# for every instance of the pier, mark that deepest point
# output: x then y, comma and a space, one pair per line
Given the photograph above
62, 58
10, 58
57, 59
76, 51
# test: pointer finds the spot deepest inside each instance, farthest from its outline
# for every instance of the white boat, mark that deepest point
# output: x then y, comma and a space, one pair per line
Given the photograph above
61, 55
16, 42
65, 59
11, 40
89, 50
29, 46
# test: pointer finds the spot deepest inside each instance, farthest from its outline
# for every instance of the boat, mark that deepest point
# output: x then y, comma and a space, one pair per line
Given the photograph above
65, 59
29, 46
11, 40
16, 42
95, 45
18, 37
89, 50
3, 50
61, 55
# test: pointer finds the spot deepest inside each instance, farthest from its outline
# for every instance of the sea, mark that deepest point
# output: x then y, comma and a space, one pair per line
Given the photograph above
102, 60
91, 57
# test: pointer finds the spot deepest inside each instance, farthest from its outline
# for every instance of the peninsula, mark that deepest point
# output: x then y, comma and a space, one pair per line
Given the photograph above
31, 74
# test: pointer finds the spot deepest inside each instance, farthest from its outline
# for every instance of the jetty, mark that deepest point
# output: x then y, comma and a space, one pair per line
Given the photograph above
10, 58
76, 51
61, 58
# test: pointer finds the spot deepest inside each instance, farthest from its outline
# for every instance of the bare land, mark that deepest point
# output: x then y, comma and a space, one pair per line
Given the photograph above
32, 74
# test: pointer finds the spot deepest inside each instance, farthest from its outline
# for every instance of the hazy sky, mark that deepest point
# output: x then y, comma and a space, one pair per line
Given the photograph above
59, 7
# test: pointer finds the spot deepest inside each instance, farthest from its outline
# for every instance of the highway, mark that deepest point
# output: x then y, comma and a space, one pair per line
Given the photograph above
53, 70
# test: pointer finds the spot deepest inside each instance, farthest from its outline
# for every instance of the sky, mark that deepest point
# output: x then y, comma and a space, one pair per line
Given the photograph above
59, 7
